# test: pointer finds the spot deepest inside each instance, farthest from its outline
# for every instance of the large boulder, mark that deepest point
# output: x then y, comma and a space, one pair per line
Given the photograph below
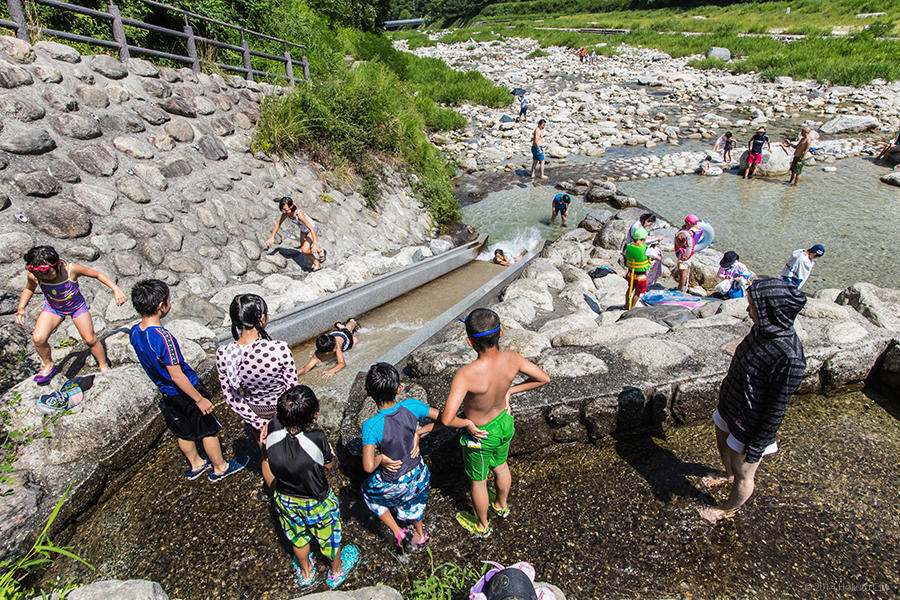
774, 162
892, 178
879, 305
719, 52
133, 589
851, 124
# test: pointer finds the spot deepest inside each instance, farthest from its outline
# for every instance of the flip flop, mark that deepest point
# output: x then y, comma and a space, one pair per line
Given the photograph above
350, 558
500, 512
43, 378
324, 256
424, 541
312, 578
469, 522
402, 536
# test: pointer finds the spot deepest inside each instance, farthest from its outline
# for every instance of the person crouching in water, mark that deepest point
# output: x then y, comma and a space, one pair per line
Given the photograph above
766, 370
400, 477
333, 345
638, 263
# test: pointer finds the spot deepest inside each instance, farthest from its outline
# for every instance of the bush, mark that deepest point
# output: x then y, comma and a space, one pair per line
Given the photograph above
537, 52
360, 119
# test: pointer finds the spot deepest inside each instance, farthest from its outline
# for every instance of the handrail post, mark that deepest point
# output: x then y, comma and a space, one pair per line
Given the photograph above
246, 56
18, 17
119, 32
191, 45
305, 65
288, 65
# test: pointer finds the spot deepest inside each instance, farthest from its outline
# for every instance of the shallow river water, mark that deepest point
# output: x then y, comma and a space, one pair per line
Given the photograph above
853, 214
617, 521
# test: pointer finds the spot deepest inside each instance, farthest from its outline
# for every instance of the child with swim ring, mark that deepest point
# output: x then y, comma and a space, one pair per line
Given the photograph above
58, 281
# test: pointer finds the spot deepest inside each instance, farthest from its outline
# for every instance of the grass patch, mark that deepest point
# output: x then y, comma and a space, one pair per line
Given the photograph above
447, 581
709, 63
537, 53
360, 119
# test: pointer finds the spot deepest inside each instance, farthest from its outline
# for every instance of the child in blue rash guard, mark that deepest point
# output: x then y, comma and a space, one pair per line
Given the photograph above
399, 476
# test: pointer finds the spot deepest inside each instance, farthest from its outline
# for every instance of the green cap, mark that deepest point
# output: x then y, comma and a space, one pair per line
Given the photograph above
639, 233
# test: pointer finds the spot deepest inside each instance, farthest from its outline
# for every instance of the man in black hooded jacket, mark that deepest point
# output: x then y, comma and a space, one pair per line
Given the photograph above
765, 371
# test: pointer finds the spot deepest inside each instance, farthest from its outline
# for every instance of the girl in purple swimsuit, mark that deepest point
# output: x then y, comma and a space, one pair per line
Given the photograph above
62, 298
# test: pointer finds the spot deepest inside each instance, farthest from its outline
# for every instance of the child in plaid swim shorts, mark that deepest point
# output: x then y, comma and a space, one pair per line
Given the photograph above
294, 461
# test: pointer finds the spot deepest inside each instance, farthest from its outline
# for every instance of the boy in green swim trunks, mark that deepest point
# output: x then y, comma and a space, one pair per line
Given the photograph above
483, 389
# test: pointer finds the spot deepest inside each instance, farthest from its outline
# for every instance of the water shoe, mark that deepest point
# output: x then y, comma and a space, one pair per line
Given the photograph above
44, 377
350, 558
65, 399
234, 465
192, 475
469, 522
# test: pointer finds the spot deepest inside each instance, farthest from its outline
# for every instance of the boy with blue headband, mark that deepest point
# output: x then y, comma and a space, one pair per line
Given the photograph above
483, 389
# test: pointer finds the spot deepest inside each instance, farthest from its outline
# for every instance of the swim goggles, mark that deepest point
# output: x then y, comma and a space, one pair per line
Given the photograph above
41, 268
483, 333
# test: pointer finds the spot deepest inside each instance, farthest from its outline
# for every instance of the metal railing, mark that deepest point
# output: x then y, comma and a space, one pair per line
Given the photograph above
120, 41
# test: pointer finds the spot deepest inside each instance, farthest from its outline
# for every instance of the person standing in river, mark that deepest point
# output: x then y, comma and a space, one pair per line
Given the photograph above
801, 147
755, 147
537, 148
765, 371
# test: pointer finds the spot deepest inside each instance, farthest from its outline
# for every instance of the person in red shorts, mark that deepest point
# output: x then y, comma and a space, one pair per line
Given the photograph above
755, 147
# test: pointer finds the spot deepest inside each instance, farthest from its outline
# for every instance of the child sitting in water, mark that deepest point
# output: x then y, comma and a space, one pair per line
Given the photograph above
501, 259
58, 280
483, 389
333, 345
400, 478
295, 457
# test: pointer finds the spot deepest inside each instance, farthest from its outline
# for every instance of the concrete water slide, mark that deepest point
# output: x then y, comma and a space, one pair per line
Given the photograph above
311, 319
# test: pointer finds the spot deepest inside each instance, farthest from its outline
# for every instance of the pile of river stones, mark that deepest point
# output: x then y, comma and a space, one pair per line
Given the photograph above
641, 97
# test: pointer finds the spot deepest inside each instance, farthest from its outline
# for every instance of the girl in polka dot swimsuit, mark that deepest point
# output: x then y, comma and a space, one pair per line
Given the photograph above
254, 369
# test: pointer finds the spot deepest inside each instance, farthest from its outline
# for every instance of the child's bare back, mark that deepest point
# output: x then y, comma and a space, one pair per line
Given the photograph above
487, 382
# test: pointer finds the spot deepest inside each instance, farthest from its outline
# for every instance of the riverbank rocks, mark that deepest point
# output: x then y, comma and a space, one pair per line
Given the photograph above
616, 372
133, 589
891, 178
851, 124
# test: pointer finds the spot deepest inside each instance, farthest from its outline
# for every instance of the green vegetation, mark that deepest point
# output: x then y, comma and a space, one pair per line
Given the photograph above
12, 573
448, 581
537, 53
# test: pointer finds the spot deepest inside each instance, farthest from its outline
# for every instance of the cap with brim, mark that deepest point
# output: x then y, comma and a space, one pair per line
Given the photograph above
818, 250
728, 259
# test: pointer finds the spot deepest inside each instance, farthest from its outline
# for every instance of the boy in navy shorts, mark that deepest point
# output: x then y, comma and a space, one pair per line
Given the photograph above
185, 403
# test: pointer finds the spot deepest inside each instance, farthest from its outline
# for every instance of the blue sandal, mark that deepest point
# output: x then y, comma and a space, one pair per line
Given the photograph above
312, 578
350, 558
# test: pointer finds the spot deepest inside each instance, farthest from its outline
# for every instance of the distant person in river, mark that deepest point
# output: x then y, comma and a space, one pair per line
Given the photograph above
309, 241
801, 147
483, 389
560, 206
400, 477
637, 263
295, 456
725, 145
500, 258
765, 372
333, 345
755, 147
582, 54
254, 369
58, 280
685, 243
797, 269
185, 403
537, 149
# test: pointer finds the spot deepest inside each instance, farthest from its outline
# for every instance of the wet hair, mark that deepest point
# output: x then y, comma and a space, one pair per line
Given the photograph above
382, 382
39, 256
285, 202
542, 121
325, 343
708, 157
499, 251
147, 295
297, 408
728, 134
647, 218
480, 321
247, 311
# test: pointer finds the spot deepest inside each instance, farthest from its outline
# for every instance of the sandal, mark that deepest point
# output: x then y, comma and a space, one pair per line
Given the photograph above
402, 537
469, 522
44, 377
312, 578
424, 542
350, 558
324, 255
500, 512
